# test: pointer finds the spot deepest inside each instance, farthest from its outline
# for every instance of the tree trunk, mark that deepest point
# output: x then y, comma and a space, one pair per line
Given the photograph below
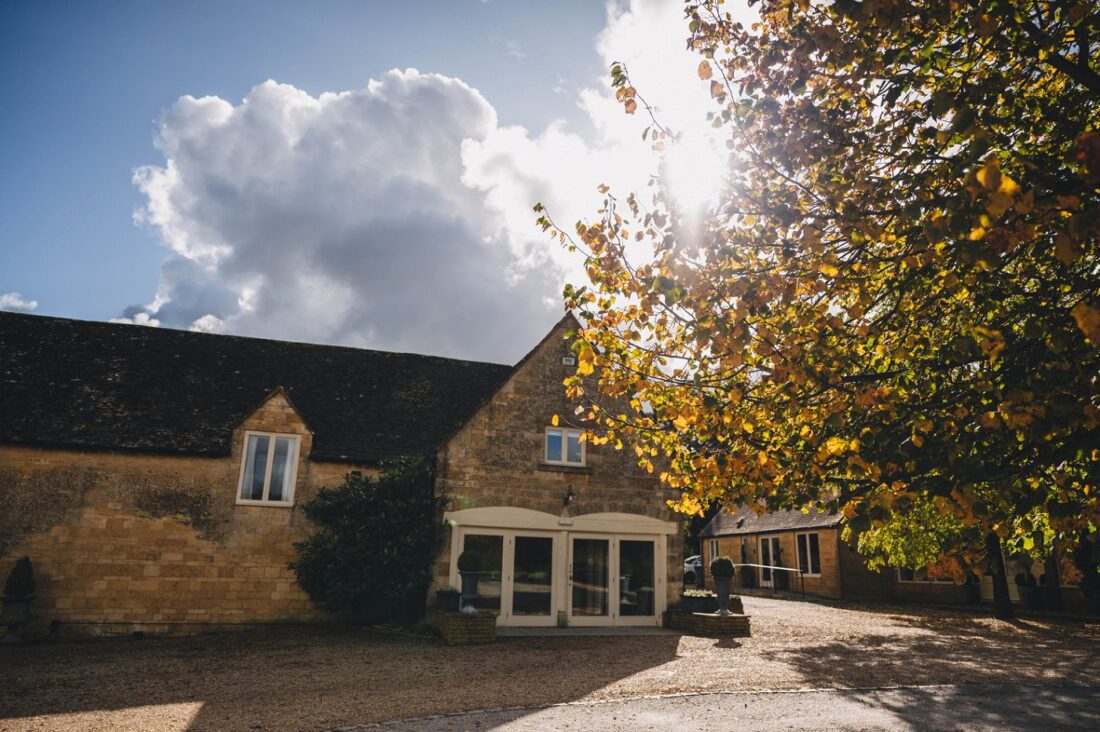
1090, 580
1054, 580
1002, 605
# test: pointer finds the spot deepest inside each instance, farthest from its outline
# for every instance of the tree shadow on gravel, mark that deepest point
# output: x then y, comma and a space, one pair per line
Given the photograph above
988, 707
305, 678
917, 649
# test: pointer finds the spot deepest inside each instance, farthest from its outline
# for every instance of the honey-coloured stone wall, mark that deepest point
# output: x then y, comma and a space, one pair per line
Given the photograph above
496, 458
124, 542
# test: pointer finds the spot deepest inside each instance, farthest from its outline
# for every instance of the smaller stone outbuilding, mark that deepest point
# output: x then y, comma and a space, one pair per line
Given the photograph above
824, 565
804, 552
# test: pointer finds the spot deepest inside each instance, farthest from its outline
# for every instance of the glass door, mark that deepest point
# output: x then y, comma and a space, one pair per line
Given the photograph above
490, 585
769, 557
532, 581
637, 579
517, 581
590, 581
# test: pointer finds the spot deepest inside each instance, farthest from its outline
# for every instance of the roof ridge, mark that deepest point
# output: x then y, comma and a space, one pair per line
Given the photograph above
107, 325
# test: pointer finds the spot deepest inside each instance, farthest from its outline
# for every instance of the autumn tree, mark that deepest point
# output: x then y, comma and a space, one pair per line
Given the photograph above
895, 305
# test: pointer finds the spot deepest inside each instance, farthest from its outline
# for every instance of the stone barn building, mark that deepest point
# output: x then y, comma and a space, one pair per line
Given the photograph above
156, 477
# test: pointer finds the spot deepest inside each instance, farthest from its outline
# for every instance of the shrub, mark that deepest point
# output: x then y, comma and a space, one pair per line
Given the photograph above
697, 593
469, 561
20, 582
375, 545
721, 567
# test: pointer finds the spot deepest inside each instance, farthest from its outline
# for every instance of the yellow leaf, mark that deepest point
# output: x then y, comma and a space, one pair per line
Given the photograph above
1008, 186
918, 440
584, 368
704, 70
992, 342
554, 420
747, 426
989, 175
829, 270
1088, 320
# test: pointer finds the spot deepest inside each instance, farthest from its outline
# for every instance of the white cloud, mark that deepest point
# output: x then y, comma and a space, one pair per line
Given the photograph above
340, 218
396, 216
514, 49
138, 317
16, 303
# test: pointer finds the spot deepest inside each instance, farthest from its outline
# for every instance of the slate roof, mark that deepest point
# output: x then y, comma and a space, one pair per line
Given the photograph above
747, 521
82, 384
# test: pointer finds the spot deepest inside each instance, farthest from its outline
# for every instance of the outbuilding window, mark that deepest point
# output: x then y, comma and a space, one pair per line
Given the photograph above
564, 446
268, 469
809, 554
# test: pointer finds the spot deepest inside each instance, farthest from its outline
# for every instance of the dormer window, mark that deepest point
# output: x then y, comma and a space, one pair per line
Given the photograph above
268, 469
564, 446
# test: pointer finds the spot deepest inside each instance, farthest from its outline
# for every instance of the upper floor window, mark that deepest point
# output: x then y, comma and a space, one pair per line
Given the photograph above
268, 469
564, 446
809, 553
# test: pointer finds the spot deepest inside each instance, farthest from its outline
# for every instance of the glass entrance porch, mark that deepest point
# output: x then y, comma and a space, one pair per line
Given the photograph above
584, 573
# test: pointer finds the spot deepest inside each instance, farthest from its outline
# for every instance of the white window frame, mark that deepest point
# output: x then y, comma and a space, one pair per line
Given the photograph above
296, 442
565, 432
809, 557
713, 550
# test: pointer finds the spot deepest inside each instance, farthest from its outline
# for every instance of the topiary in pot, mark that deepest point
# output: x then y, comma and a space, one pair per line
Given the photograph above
469, 568
18, 594
721, 568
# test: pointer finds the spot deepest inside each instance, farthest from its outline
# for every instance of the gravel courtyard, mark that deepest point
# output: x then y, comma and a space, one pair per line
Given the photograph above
317, 678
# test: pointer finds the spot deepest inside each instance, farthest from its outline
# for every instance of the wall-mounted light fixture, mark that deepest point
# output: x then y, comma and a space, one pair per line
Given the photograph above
568, 498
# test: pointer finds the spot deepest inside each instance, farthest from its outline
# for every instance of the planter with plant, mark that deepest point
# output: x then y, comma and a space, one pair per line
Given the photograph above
18, 595
469, 569
721, 568
448, 599
698, 601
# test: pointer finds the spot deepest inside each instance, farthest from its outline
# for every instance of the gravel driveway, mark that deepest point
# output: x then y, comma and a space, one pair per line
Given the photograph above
331, 677
973, 708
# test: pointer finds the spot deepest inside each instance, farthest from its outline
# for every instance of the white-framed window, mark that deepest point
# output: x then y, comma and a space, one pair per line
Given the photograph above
713, 549
268, 469
564, 446
809, 554
918, 576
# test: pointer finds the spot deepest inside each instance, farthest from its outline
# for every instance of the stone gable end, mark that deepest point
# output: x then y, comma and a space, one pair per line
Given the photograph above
496, 458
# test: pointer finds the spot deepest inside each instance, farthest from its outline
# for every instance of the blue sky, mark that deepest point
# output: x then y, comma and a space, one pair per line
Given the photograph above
85, 83
98, 90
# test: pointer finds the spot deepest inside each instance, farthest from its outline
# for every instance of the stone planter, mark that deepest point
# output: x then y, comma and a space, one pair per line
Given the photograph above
734, 625
695, 604
463, 629
469, 587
